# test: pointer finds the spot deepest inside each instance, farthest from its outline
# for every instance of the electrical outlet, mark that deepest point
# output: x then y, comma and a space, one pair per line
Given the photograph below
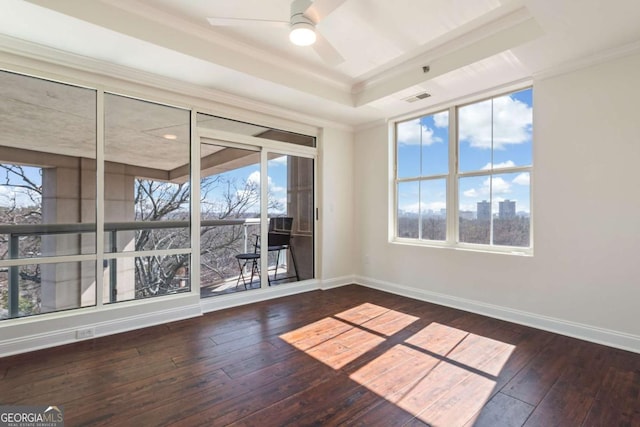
82, 334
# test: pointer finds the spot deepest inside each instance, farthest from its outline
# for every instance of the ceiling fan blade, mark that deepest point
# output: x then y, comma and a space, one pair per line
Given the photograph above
228, 22
326, 51
319, 9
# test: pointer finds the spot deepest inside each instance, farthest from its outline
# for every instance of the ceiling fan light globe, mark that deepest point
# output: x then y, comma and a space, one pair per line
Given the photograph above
302, 34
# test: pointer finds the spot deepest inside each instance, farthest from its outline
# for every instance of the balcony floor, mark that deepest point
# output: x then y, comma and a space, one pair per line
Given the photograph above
231, 285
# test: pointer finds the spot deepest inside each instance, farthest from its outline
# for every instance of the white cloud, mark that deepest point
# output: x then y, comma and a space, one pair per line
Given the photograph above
275, 188
416, 207
12, 196
441, 120
278, 161
511, 123
413, 133
435, 206
254, 178
522, 179
468, 207
499, 186
507, 164
282, 202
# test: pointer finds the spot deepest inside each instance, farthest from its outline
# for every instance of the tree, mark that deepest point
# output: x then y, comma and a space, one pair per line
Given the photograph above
434, 228
475, 230
20, 203
511, 231
221, 198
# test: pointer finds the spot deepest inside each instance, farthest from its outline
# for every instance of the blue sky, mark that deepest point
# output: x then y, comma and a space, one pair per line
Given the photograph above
9, 192
493, 133
277, 181
276, 168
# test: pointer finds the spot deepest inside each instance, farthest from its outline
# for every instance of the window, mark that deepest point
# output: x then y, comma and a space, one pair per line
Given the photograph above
147, 199
97, 202
470, 187
422, 171
47, 196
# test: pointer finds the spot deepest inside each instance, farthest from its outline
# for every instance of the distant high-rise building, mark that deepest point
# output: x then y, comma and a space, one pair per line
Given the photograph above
507, 209
484, 210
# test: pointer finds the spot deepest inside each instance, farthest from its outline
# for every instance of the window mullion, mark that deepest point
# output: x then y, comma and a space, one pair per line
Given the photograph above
99, 197
484, 172
421, 178
452, 178
491, 182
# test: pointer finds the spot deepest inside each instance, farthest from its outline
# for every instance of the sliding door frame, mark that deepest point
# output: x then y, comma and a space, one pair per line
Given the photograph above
265, 147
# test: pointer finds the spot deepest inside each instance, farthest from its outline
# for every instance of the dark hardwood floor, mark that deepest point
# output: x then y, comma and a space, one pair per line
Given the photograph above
348, 356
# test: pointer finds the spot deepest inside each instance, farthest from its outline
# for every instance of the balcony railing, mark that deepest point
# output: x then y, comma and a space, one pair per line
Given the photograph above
15, 231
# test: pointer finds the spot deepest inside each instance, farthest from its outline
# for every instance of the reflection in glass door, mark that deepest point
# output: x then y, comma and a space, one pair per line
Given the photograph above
229, 219
291, 196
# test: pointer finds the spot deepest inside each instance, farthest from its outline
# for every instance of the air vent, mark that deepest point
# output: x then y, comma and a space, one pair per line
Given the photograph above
418, 97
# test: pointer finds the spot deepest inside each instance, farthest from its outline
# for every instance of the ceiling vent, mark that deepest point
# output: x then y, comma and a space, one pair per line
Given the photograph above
418, 97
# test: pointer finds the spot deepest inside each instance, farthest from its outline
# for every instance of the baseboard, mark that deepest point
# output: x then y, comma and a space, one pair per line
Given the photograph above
241, 298
594, 334
337, 282
56, 329
58, 337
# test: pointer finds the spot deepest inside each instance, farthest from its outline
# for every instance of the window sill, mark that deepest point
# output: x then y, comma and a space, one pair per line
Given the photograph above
467, 247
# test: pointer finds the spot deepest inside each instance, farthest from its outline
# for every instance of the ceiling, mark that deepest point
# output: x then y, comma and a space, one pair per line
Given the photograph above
48, 124
469, 46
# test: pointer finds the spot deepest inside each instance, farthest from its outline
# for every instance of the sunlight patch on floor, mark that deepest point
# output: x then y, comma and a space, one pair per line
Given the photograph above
440, 374
332, 341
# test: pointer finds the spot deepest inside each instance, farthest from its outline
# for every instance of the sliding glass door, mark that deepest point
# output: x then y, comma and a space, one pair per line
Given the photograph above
239, 210
291, 188
229, 218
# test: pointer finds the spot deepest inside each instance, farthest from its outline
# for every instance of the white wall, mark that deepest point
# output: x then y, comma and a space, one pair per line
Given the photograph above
336, 205
584, 277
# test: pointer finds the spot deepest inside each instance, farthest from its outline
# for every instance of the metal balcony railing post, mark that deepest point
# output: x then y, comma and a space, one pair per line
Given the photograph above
14, 277
246, 236
113, 267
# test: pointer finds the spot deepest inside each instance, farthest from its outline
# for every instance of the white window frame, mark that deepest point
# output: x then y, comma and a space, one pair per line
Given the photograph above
452, 179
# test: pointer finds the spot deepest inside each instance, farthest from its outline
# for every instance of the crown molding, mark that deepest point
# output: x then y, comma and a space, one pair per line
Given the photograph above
601, 57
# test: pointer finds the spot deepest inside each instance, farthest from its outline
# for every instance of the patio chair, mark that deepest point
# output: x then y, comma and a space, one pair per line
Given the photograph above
243, 260
279, 236
280, 240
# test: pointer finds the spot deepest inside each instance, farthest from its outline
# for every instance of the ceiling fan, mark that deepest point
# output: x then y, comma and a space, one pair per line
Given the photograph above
305, 15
